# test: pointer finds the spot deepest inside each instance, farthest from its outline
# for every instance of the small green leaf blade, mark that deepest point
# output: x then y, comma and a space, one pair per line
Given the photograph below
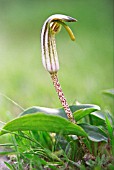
109, 92
109, 127
94, 133
43, 122
9, 165
75, 108
82, 113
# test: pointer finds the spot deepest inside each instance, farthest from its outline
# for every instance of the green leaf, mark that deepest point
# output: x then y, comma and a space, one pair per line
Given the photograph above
99, 115
109, 127
60, 112
7, 144
43, 122
43, 137
82, 113
7, 152
75, 108
94, 133
9, 166
49, 111
109, 92
99, 118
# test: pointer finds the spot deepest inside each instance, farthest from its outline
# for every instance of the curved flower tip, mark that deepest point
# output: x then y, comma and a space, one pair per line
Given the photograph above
52, 26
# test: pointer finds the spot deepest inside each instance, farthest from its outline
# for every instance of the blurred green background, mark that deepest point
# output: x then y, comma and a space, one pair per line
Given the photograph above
86, 65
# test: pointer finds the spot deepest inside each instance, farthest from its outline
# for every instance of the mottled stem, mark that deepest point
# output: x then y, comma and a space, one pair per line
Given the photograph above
62, 97
69, 114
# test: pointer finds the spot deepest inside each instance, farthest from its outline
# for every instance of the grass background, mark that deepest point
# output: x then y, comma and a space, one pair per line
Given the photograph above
86, 65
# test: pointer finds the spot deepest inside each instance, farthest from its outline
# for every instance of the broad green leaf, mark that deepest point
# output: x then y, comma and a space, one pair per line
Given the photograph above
94, 133
43, 122
60, 112
49, 111
98, 117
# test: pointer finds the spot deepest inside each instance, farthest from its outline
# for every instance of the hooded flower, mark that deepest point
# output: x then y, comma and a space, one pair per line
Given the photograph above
48, 45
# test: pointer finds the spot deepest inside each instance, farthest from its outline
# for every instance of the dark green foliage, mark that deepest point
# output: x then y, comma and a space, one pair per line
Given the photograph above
35, 147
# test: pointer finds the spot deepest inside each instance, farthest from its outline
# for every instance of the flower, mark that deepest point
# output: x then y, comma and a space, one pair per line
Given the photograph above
48, 45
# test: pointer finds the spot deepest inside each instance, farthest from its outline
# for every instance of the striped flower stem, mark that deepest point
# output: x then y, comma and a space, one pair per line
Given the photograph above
49, 53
